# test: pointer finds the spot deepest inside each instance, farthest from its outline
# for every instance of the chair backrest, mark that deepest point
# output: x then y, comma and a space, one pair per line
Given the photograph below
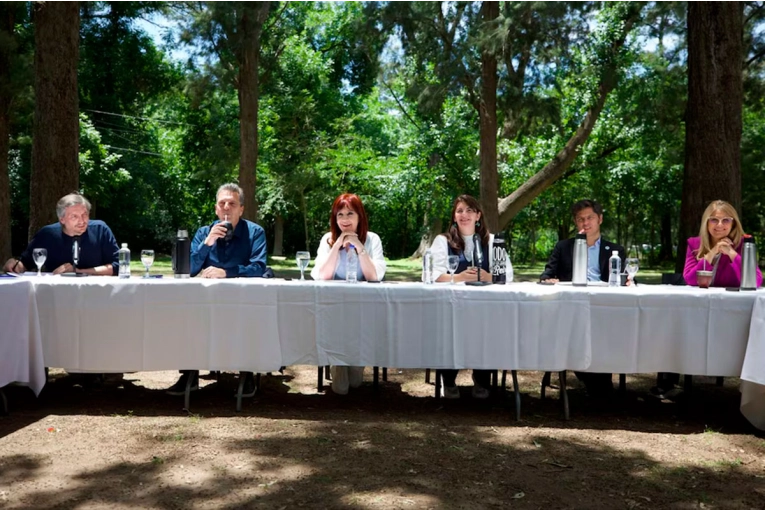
672, 279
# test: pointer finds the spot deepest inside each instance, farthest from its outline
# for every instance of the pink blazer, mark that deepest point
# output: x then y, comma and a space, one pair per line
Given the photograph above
728, 273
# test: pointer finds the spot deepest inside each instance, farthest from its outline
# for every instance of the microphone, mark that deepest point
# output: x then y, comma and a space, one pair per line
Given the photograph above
477, 254
76, 252
477, 260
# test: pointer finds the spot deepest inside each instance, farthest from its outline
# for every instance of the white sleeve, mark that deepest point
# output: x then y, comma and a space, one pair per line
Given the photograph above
509, 269
375, 250
440, 251
321, 256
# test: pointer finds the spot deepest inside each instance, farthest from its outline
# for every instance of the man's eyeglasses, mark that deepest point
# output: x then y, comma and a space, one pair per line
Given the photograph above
717, 221
583, 219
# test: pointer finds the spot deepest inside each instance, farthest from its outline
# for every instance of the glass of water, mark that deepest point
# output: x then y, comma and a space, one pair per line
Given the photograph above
303, 258
631, 266
453, 262
147, 259
39, 255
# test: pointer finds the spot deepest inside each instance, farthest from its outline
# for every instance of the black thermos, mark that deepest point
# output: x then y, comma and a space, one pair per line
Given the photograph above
182, 257
499, 254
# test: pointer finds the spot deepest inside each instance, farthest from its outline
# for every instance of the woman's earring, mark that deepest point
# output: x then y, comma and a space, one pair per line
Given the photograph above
477, 224
454, 224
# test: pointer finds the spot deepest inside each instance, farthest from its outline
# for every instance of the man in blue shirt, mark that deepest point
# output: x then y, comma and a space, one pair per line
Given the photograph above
241, 255
214, 254
98, 251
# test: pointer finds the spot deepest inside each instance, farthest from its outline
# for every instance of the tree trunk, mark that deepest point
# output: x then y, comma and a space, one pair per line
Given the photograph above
250, 28
427, 238
487, 112
278, 236
552, 171
6, 51
56, 135
713, 114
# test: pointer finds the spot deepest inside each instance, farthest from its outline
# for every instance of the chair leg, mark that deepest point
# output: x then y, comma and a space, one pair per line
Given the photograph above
375, 378
385, 374
687, 384
327, 373
720, 381
4, 400
320, 383
427, 376
438, 384
494, 380
622, 383
516, 392
504, 379
564, 393
545, 383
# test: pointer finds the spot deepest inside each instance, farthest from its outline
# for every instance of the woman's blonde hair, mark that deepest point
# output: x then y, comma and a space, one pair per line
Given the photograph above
736, 232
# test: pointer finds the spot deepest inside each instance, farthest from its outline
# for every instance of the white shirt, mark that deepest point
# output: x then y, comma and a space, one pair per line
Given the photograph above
373, 246
440, 251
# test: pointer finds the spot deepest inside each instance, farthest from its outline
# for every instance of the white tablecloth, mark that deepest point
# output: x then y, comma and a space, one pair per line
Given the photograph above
107, 324
21, 353
753, 371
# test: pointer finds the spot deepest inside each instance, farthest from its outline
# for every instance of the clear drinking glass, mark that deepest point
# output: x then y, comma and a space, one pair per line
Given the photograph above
631, 266
303, 258
147, 259
454, 262
39, 255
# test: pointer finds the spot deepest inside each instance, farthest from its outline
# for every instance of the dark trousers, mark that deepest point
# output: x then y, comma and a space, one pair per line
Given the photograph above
597, 384
667, 380
480, 377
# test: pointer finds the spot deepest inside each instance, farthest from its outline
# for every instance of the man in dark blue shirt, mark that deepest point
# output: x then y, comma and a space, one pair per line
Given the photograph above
213, 255
218, 253
98, 251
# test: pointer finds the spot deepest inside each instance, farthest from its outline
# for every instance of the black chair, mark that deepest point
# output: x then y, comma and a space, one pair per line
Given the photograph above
672, 279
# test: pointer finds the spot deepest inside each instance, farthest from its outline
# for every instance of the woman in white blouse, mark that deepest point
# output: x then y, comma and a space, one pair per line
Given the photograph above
458, 242
348, 230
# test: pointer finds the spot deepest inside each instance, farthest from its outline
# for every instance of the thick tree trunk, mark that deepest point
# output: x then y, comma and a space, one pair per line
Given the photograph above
56, 135
487, 112
250, 28
510, 205
713, 113
6, 51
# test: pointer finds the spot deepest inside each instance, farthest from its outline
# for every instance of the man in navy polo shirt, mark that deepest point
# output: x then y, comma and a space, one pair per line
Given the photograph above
216, 255
98, 254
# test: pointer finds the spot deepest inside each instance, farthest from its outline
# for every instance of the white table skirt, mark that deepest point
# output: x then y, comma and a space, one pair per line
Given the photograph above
21, 353
107, 324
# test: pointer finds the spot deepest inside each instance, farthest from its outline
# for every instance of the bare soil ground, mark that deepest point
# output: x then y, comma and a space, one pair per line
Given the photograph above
126, 444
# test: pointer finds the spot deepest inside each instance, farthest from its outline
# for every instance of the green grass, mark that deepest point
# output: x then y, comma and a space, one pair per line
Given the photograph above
399, 270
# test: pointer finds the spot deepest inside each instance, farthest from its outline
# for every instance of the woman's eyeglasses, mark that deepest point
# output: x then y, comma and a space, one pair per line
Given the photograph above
717, 221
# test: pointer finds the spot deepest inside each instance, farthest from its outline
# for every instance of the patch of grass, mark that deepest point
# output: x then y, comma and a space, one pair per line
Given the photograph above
157, 460
723, 464
709, 431
128, 414
195, 418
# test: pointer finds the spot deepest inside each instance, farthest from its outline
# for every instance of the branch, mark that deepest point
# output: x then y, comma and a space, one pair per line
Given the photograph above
400, 105
755, 58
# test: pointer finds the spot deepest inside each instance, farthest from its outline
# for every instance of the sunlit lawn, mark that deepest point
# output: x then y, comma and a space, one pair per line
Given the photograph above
398, 270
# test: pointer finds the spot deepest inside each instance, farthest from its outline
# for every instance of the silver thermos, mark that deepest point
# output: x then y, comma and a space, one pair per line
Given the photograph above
749, 264
182, 255
579, 277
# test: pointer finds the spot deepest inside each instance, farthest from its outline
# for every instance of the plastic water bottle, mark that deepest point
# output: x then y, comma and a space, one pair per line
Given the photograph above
124, 257
427, 266
615, 270
351, 265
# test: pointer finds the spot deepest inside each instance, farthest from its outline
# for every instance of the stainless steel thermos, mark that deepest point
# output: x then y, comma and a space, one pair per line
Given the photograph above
749, 264
579, 276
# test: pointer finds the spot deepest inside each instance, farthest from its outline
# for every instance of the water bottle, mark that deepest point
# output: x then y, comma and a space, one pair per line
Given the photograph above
749, 264
427, 266
499, 266
579, 277
124, 257
615, 270
351, 265
182, 255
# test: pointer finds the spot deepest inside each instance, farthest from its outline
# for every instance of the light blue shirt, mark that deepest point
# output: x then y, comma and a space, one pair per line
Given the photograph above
593, 262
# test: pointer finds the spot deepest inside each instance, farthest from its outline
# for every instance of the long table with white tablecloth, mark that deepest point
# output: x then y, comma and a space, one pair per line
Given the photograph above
21, 353
108, 324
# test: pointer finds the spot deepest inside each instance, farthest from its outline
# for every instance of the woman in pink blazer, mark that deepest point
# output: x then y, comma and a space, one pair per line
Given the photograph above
720, 239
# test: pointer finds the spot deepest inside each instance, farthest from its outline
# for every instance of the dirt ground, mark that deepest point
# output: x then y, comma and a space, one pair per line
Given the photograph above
126, 444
